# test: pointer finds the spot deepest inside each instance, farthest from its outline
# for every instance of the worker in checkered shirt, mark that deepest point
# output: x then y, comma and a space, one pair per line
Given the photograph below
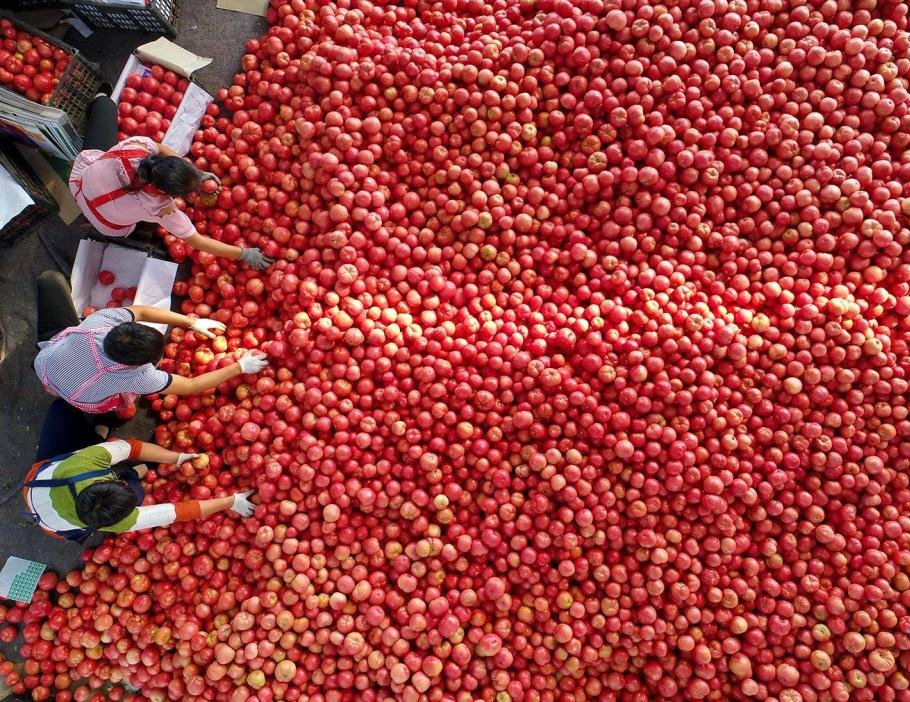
104, 363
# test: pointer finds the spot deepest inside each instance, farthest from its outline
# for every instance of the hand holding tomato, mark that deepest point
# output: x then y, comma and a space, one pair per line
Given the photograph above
210, 183
209, 189
243, 505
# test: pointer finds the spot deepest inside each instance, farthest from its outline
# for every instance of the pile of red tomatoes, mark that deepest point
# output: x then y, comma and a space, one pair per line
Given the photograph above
29, 64
148, 103
589, 367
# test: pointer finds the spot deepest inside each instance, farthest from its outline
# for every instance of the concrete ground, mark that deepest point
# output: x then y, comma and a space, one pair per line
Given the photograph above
203, 29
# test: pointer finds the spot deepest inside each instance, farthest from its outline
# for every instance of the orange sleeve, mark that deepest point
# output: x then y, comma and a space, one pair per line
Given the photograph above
188, 510
135, 448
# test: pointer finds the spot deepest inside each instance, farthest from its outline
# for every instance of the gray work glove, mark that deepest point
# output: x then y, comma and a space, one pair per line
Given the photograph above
242, 504
255, 259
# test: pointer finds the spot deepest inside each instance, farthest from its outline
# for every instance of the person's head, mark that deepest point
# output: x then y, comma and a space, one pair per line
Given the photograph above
104, 503
134, 344
170, 174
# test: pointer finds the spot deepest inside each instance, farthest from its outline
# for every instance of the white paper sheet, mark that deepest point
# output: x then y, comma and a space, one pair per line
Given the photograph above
14, 199
155, 286
185, 123
84, 277
249, 7
125, 264
153, 278
170, 55
133, 65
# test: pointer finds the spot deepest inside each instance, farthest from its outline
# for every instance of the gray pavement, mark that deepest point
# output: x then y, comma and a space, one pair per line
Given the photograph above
204, 30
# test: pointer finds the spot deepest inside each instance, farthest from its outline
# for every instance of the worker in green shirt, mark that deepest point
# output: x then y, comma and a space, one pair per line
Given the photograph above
76, 488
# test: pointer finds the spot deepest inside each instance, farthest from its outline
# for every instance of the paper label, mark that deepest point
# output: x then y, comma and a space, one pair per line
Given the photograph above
19, 578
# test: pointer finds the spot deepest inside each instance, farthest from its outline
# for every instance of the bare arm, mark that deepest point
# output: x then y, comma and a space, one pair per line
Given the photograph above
209, 507
143, 313
216, 248
191, 386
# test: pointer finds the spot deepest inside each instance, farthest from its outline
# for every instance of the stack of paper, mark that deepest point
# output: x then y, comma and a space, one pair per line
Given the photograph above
45, 128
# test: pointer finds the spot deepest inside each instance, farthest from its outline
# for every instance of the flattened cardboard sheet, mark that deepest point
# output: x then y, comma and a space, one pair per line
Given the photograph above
249, 7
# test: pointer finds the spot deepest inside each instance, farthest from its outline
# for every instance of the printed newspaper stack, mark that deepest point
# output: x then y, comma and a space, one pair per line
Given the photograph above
45, 128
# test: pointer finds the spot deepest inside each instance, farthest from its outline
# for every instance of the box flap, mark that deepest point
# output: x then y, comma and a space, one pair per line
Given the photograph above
176, 58
133, 65
249, 7
68, 209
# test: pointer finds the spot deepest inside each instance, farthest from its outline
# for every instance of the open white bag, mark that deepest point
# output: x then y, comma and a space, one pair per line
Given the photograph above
152, 278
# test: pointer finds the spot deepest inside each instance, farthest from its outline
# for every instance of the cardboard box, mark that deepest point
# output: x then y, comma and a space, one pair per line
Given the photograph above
152, 277
60, 191
179, 135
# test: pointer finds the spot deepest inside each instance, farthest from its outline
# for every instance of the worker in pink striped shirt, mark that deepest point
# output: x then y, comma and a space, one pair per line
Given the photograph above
119, 185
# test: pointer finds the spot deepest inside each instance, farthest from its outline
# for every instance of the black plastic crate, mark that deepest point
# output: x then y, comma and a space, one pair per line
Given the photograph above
33, 4
79, 83
157, 17
44, 205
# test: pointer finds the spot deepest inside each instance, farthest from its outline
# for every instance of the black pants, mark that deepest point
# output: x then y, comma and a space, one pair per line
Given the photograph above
101, 124
55, 305
66, 429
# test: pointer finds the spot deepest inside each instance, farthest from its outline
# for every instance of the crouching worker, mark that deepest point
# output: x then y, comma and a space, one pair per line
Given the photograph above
79, 486
104, 363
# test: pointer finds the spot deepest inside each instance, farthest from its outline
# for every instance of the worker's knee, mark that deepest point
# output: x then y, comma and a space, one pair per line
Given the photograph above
50, 281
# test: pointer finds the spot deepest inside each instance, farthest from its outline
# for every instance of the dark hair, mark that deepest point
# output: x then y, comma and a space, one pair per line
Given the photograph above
171, 174
133, 344
104, 503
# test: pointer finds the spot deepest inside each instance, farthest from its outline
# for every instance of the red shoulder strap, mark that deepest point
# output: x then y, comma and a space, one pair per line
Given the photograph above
124, 156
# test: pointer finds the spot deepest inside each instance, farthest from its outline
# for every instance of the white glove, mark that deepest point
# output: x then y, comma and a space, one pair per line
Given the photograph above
205, 327
252, 361
242, 504
184, 457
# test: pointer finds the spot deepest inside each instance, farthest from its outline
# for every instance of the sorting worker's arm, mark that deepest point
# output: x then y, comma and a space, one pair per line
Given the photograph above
250, 362
151, 516
205, 327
